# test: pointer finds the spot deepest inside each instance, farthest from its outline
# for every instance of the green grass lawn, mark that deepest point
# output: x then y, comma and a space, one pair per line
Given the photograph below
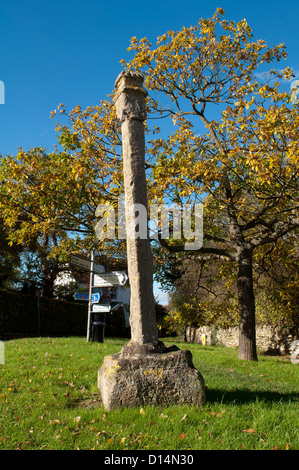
49, 400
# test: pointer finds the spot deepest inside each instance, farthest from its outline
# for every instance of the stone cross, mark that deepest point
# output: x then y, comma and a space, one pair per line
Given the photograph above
131, 112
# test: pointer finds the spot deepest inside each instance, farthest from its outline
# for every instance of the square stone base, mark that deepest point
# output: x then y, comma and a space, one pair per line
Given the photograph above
150, 375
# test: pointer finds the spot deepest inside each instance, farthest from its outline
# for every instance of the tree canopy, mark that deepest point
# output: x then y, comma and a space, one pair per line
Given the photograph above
240, 158
216, 133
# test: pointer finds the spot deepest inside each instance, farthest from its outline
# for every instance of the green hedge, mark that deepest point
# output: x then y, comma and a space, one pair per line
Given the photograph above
19, 316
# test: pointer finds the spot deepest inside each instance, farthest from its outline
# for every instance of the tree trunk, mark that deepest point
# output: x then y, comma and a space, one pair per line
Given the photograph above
247, 338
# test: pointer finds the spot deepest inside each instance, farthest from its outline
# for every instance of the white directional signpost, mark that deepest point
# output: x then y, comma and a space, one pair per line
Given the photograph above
85, 263
101, 308
115, 278
90, 294
98, 278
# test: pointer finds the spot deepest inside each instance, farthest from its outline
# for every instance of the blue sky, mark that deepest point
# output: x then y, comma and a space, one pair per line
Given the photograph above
69, 51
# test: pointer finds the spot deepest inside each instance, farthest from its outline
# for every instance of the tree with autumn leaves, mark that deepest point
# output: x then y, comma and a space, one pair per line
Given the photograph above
48, 199
225, 139
233, 147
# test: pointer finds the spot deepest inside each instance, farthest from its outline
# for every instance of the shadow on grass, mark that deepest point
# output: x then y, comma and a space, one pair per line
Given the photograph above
248, 396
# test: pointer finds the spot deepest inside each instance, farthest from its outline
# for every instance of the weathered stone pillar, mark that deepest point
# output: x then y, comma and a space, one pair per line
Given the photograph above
131, 112
145, 371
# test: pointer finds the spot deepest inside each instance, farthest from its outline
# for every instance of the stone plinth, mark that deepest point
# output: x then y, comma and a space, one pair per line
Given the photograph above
150, 375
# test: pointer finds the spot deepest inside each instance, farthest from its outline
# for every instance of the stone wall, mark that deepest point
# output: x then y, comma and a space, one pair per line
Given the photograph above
275, 340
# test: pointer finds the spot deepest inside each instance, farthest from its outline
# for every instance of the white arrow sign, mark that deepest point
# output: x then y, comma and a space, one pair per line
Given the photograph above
84, 263
101, 308
115, 278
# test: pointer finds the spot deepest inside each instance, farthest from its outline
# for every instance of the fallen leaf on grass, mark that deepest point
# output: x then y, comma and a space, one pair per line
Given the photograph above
184, 417
182, 436
104, 433
218, 415
249, 430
